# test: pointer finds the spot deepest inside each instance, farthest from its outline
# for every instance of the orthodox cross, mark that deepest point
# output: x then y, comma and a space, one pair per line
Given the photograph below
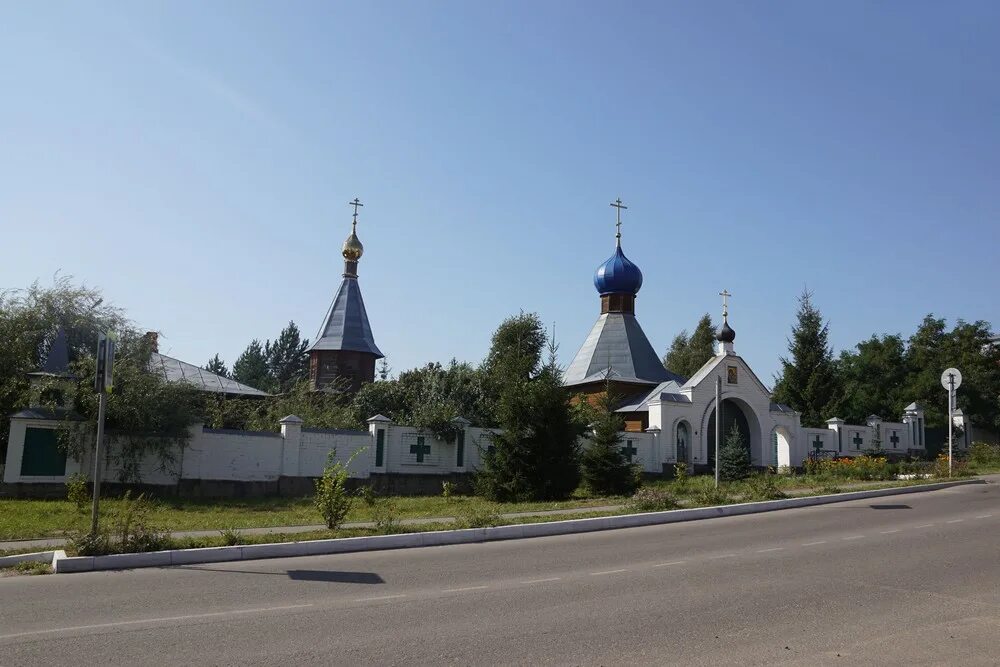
818, 444
619, 205
420, 449
894, 440
725, 302
356, 203
629, 451
858, 441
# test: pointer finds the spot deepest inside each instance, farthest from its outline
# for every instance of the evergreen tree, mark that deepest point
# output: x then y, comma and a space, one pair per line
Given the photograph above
606, 471
687, 354
287, 359
251, 367
809, 380
535, 455
217, 366
734, 456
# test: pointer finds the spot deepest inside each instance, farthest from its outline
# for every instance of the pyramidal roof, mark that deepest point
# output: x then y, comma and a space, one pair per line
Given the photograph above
345, 326
616, 341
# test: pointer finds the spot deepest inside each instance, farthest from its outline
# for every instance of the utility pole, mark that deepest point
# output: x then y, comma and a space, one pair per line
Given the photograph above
103, 382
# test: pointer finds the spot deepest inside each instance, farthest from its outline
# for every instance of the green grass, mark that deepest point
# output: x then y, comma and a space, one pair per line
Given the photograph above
26, 519
26, 567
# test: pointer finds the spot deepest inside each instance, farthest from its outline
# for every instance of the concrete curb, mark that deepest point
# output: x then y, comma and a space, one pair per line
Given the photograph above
62, 564
38, 557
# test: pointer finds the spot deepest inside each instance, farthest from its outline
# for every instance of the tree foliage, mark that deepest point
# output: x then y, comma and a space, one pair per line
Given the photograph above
606, 470
287, 359
217, 366
734, 456
687, 353
251, 367
809, 382
535, 454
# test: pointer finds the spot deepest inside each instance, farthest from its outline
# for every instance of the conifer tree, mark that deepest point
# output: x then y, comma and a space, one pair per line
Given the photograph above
734, 456
535, 455
287, 359
809, 382
606, 471
217, 366
251, 367
687, 354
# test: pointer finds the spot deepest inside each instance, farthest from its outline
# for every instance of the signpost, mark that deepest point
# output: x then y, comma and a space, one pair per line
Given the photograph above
951, 380
103, 382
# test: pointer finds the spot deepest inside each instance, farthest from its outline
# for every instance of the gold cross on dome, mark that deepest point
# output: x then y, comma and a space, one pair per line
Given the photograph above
619, 205
725, 302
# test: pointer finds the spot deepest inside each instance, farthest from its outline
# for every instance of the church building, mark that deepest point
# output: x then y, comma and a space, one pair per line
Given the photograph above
671, 419
343, 355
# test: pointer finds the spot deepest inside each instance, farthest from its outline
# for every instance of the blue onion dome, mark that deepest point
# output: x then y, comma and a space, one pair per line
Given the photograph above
726, 333
618, 275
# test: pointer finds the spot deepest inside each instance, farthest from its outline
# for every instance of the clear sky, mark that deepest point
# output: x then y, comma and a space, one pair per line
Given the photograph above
195, 160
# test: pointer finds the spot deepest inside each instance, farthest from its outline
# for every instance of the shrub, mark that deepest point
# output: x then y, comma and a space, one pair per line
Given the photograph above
368, 495
984, 455
958, 468
231, 536
131, 526
680, 473
90, 544
332, 498
651, 500
712, 496
762, 487
76, 490
386, 515
482, 517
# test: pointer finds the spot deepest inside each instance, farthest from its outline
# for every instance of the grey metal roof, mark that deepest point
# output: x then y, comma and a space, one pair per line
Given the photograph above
39, 412
779, 407
913, 407
617, 341
345, 326
175, 370
665, 391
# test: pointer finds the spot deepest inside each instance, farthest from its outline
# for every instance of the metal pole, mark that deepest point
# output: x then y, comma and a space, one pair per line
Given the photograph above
102, 399
718, 424
951, 411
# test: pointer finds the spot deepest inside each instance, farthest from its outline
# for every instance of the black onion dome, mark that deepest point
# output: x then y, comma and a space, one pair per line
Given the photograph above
725, 333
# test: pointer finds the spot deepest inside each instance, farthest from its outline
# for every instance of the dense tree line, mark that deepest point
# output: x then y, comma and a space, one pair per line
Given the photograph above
275, 367
885, 373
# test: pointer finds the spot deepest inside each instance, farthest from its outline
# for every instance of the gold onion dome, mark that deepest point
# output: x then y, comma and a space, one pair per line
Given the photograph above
353, 249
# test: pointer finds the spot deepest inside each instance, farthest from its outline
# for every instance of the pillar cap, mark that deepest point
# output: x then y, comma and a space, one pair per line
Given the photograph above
291, 419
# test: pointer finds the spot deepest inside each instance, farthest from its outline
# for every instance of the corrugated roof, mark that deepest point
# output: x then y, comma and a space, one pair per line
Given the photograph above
175, 370
617, 341
345, 326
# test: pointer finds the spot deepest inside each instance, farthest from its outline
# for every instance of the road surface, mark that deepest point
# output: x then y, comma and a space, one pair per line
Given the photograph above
911, 579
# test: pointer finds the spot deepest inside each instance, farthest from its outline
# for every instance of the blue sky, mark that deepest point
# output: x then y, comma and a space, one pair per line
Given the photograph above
195, 160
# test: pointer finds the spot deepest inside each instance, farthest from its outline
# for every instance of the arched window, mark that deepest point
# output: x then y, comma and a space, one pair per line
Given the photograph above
683, 442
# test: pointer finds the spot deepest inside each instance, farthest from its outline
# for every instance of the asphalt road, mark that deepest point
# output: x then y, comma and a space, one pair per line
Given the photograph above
911, 579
